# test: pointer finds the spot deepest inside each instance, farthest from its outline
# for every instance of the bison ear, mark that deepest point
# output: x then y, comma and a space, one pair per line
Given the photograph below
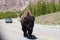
33, 17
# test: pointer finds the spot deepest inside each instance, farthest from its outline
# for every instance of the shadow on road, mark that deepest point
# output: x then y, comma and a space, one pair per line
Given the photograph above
32, 37
1, 38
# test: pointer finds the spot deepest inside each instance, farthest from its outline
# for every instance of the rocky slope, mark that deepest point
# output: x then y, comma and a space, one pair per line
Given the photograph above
13, 5
9, 5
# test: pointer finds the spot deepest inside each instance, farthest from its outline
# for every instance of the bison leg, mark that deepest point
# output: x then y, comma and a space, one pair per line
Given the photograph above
30, 32
25, 33
31, 29
24, 30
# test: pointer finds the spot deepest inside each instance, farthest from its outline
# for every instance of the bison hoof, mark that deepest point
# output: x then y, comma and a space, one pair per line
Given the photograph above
25, 34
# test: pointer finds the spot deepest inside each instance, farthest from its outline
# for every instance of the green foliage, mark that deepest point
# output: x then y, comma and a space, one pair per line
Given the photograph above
10, 14
44, 8
59, 5
7, 15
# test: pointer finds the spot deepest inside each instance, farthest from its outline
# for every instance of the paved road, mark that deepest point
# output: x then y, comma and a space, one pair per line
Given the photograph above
12, 31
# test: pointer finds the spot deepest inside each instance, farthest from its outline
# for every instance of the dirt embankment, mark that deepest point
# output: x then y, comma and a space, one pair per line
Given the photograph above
53, 18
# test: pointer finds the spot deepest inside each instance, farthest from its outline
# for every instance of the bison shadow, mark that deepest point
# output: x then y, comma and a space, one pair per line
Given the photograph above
31, 37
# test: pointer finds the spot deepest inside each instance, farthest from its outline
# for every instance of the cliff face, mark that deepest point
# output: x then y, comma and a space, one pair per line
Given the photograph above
13, 5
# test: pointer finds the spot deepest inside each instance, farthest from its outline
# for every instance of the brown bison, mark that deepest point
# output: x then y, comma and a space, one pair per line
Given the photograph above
27, 22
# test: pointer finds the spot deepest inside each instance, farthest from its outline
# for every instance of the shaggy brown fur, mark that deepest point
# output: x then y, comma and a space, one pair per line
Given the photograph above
25, 14
27, 22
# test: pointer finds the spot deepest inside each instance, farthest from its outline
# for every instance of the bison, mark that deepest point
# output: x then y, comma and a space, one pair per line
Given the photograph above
27, 23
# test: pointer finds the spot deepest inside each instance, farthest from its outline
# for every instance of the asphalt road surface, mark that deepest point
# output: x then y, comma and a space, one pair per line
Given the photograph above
12, 31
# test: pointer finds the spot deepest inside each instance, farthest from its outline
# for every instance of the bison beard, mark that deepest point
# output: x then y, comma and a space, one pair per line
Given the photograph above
27, 25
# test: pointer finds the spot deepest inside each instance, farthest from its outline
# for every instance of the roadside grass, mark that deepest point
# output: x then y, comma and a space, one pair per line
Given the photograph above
49, 19
7, 15
11, 14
